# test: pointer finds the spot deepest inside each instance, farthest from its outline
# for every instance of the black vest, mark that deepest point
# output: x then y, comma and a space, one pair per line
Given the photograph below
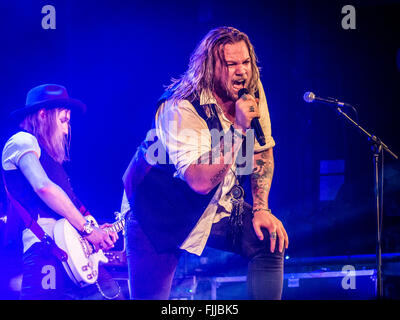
166, 208
20, 189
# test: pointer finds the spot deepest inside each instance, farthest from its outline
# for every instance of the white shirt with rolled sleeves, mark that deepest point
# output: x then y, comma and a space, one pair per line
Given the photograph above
185, 136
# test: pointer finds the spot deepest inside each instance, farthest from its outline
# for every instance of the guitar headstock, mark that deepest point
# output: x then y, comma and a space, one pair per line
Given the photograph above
119, 215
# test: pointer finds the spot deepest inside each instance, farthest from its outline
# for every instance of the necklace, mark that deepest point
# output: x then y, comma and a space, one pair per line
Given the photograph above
237, 190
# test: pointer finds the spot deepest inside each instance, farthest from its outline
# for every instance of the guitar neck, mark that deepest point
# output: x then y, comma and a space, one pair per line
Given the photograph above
117, 226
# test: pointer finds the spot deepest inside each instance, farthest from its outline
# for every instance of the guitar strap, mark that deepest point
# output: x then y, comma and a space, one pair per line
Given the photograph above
32, 224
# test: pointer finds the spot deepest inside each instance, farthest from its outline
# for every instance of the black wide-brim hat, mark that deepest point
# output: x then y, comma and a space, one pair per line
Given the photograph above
47, 96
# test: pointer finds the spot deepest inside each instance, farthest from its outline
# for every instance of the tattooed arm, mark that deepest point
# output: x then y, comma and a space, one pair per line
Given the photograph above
204, 177
261, 180
211, 168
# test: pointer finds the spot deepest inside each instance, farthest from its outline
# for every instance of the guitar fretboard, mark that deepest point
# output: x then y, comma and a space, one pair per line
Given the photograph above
117, 226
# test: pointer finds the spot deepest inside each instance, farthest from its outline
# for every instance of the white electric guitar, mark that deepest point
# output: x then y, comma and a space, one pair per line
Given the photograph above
82, 265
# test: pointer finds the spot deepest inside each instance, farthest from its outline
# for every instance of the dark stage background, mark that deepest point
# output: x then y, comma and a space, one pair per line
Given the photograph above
116, 56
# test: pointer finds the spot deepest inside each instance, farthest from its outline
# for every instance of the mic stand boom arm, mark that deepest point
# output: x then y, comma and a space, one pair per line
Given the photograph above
378, 147
374, 139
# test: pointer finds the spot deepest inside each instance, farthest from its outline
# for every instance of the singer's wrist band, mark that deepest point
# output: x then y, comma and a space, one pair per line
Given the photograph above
261, 209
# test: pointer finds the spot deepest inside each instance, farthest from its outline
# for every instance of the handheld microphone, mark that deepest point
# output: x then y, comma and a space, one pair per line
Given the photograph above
311, 97
255, 123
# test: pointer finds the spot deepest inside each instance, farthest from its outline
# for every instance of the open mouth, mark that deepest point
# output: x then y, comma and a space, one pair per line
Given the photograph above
238, 84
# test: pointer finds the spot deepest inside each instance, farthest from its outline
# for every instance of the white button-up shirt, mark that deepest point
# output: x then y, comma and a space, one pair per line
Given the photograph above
186, 136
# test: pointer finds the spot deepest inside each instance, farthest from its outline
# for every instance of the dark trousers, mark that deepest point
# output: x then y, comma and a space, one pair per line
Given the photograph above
44, 278
151, 273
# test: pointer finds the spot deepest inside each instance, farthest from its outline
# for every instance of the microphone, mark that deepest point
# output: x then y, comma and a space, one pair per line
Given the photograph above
255, 123
311, 97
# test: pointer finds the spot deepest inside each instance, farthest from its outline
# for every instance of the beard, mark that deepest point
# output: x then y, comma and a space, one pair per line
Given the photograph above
225, 91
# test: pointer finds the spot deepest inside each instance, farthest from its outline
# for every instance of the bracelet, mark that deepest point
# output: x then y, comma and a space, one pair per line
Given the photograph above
87, 228
262, 209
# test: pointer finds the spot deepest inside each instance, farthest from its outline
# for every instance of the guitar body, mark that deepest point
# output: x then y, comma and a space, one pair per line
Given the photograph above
82, 265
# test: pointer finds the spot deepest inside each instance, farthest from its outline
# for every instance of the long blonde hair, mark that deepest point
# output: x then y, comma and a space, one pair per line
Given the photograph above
200, 73
45, 130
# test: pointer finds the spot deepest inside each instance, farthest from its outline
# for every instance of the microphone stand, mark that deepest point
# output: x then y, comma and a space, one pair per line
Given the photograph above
378, 148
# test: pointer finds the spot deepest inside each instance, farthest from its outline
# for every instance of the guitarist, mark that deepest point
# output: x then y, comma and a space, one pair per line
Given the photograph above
39, 190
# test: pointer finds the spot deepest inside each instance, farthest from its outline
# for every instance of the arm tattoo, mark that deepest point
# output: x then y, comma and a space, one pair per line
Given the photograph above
224, 152
261, 178
220, 175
